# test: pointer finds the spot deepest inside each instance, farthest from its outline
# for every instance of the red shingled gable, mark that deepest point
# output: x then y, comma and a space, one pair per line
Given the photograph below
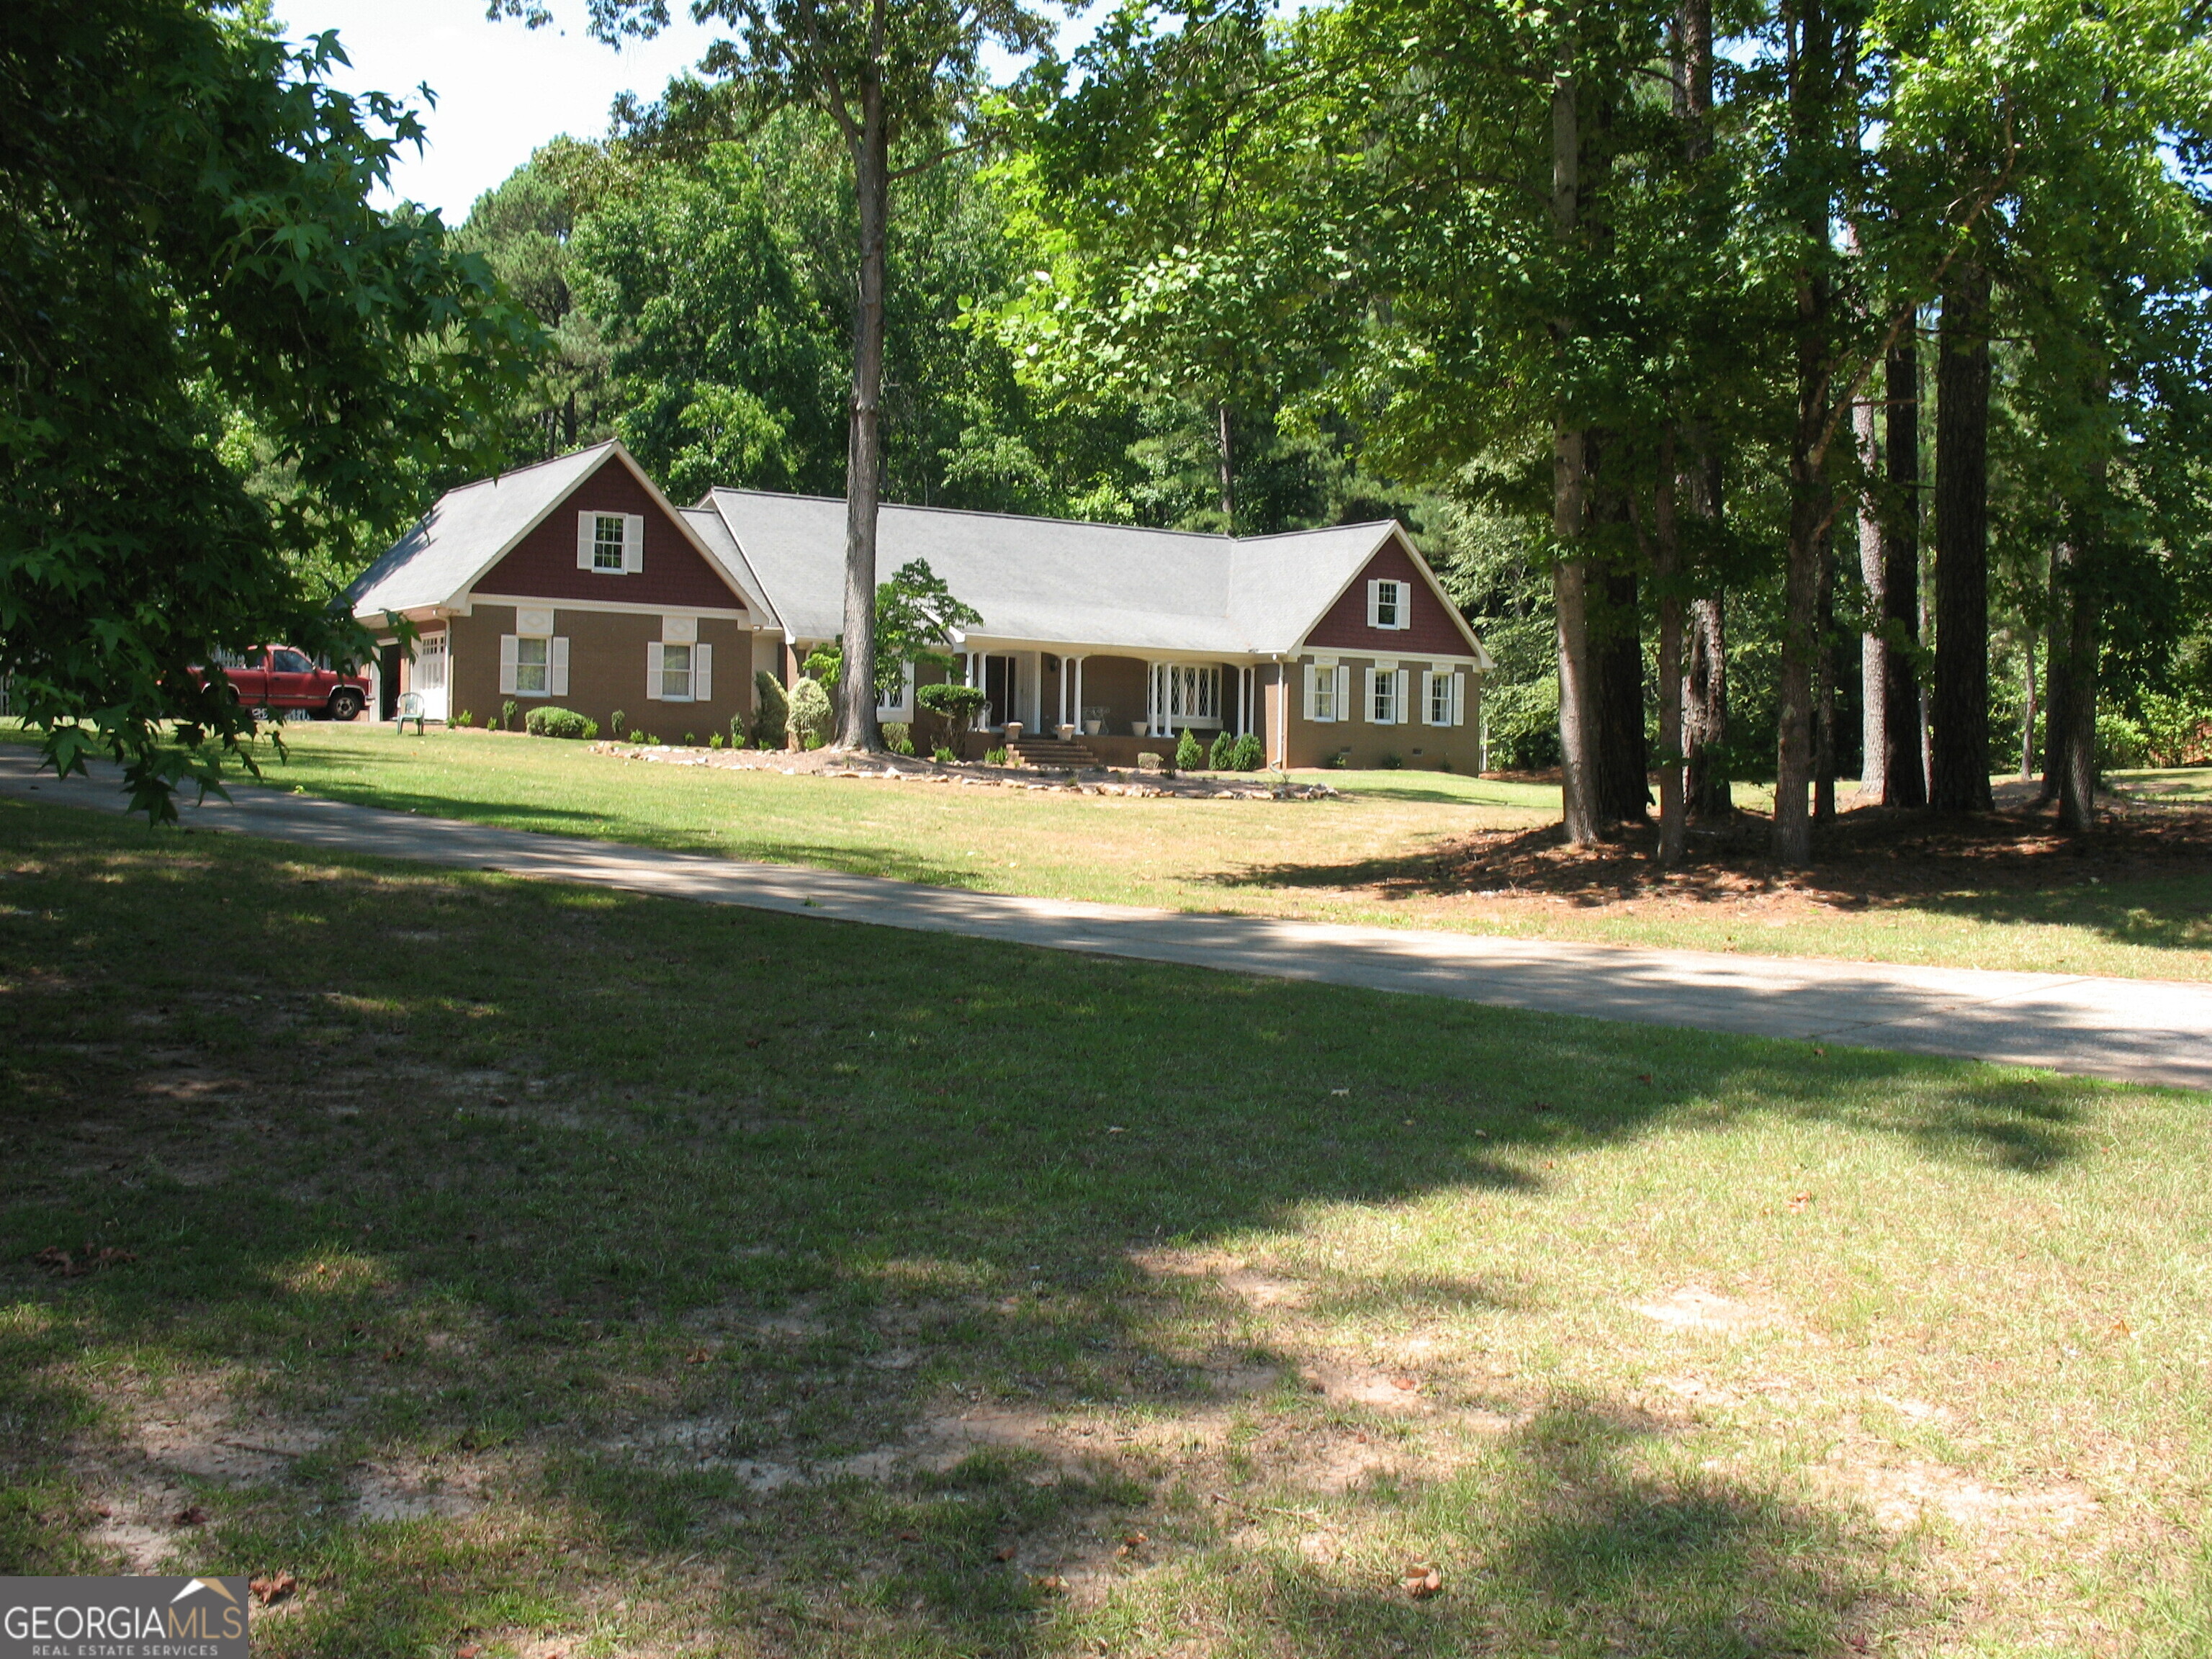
543, 565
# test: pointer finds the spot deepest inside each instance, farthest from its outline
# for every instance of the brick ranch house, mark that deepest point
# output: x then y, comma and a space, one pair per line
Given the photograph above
1330, 644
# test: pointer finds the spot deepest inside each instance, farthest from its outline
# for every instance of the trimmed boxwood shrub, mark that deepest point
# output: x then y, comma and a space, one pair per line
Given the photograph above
1223, 755
1250, 756
1190, 754
560, 723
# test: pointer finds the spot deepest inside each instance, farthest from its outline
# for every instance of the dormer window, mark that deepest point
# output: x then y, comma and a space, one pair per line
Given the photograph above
606, 541
1387, 603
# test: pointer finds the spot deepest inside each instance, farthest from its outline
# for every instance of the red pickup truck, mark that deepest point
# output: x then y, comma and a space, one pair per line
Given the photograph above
276, 677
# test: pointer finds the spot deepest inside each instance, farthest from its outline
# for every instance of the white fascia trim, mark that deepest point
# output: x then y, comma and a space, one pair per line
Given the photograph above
620, 607
984, 643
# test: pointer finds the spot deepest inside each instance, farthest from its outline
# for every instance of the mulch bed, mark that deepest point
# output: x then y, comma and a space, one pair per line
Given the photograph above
1868, 855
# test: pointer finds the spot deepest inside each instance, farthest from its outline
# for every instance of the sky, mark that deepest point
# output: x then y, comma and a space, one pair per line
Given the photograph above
503, 90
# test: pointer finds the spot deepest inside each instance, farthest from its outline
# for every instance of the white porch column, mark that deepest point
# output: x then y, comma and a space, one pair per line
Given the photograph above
1079, 695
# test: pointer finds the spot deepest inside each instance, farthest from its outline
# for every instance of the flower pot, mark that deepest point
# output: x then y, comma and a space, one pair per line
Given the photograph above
1140, 728
1094, 728
1066, 733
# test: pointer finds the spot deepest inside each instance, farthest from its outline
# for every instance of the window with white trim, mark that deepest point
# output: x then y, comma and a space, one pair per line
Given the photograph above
1444, 692
606, 541
901, 707
610, 544
1388, 604
1326, 695
679, 670
533, 666
1386, 696
1188, 694
676, 674
532, 660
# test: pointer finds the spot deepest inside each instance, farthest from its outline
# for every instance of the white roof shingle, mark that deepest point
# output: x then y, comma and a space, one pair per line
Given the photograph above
466, 531
1056, 581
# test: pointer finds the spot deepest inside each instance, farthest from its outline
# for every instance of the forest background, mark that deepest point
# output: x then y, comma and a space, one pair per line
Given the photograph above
1229, 270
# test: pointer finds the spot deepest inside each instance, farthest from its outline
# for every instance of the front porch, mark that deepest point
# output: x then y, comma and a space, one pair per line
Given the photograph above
1118, 706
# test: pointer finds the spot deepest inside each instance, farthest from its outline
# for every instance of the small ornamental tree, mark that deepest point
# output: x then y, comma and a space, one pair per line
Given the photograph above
1223, 754
771, 716
955, 705
1190, 754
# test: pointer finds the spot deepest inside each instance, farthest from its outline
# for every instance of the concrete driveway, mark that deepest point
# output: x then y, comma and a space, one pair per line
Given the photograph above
2133, 1031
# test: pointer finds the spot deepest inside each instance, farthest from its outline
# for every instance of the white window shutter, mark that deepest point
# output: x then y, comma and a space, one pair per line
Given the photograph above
556, 666
1367, 698
1374, 604
1458, 699
653, 671
1343, 676
1311, 673
587, 527
633, 543
1398, 709
1428, 698
507, 663
703, 673
1405, 605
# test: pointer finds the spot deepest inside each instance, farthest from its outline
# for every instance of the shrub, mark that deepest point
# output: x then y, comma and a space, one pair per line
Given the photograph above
637, 736
2120, 742
943, 756
809, 719
464, 718
772, 711
955, 705
1250, 756
615, 725
738, 731
2177, 731
1339, 761
1190, 754
1394, 762
560, 723
1223, 755
714, 740
995, 757
898, 737
507, 715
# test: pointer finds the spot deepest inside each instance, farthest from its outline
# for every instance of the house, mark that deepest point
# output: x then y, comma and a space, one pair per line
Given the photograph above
576, 582
1334, 645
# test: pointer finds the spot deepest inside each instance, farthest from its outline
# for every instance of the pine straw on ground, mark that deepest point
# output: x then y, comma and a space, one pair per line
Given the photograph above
1867, 857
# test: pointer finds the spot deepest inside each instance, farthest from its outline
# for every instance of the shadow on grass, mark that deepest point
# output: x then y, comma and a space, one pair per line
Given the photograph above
660, 1216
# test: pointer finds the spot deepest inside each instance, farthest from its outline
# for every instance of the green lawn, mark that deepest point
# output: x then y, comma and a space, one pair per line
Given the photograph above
1370, 858
561, 1271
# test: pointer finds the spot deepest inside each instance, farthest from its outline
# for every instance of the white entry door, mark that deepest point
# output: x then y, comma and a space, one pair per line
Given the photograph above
430, 676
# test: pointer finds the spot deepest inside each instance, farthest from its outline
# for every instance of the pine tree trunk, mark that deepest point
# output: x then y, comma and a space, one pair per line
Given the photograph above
1904, 779
1824, 686
1702, 691
1960, 781
1813, 83
1569, 493
2056, 709
2077, 775
857, 726
1874, 637
1667, 572
1706, 712
1623, 759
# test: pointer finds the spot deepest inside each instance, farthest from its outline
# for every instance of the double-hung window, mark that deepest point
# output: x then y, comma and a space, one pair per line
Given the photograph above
531, 665
1327, 697
1385, 694
610, 544
1388, 604
1445, 694
678, 667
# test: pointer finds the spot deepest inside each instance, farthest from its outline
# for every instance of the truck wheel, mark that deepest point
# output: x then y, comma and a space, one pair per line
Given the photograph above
345, 703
